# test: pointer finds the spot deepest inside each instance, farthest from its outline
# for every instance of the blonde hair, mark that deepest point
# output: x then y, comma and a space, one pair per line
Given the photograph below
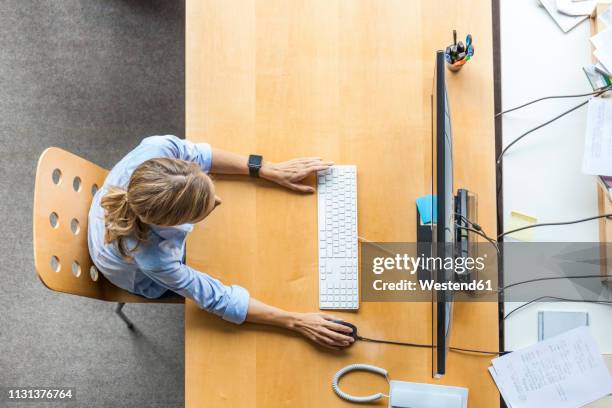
161, 191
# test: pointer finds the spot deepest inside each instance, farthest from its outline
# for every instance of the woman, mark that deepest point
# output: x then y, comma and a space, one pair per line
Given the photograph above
140, 218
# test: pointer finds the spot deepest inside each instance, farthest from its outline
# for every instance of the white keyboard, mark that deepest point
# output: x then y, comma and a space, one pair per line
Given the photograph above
337, 207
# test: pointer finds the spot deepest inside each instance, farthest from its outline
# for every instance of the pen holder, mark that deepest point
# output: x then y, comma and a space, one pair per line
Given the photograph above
458, 53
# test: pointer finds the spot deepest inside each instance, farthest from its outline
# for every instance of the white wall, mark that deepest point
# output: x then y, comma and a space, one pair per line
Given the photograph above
542, 172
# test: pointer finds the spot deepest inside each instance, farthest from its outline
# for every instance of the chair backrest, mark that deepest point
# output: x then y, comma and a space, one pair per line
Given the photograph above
64, 188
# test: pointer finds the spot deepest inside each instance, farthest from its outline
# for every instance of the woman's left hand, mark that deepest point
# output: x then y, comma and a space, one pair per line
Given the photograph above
291, 174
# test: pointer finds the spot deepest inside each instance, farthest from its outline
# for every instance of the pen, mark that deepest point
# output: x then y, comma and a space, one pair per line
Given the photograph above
460, 47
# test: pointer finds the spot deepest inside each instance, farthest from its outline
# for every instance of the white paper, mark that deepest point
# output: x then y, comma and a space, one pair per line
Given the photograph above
604, 56
582, 8
500, 385
565, 371
565, 22
606, 17
598, 141
603, 38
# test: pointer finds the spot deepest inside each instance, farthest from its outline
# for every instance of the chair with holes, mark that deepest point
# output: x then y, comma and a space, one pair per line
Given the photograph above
64, 188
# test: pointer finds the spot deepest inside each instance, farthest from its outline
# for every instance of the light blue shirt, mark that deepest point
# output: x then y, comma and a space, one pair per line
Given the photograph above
157, 264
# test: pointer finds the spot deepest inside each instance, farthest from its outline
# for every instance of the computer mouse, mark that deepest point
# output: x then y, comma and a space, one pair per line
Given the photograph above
352, 326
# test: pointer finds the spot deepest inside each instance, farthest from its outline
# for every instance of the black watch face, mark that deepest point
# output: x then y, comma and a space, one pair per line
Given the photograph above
254, 165
255, 161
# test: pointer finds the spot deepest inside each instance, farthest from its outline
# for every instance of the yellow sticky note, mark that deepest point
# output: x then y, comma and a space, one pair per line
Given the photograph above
519, 220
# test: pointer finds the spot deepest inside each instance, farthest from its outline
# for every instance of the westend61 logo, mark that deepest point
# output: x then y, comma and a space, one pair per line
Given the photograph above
412, 264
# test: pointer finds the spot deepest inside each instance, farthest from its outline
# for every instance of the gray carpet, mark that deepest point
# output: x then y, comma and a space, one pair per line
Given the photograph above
93, 77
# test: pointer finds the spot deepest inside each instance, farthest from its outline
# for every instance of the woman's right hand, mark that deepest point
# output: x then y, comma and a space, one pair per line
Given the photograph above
321, 328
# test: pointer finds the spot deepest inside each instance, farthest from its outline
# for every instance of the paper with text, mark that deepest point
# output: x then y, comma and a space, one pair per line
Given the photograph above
597, 158
565, 371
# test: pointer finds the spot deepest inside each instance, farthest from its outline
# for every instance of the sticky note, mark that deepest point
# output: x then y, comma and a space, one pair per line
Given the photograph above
427, 206
519, 220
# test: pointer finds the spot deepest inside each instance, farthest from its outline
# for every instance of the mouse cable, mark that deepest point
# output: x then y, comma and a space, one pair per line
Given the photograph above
553, 97
598, 93
549, 224
430, 346
601, 302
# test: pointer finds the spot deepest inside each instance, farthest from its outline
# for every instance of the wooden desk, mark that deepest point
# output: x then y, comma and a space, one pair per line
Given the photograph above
349, 81
604, 204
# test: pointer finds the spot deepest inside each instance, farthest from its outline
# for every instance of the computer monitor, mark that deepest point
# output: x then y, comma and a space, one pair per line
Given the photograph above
443, 231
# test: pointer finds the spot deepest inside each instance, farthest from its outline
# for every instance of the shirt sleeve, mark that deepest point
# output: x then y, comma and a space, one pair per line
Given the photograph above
172, 146
161, 261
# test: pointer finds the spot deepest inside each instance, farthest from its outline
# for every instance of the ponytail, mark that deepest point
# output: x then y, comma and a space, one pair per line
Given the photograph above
121, 222
162, 192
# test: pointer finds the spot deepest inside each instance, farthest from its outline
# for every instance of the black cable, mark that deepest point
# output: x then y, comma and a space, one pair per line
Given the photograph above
463, 350
456, 349
482, 234
468, 221
477, 229
553, 97
546, 278
596, 93
501, 353
601, 302
397, 343
505, 149
549, 224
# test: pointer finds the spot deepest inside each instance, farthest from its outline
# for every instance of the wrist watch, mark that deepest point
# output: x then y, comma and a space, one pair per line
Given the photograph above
255, 162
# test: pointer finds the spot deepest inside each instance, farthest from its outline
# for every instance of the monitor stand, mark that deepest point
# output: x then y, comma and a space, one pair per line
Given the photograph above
465, 209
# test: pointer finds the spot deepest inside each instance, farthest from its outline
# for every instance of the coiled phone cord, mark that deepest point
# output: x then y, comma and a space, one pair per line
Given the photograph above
358, 367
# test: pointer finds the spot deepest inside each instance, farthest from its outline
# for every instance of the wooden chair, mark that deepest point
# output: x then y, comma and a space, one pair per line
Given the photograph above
64, 188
